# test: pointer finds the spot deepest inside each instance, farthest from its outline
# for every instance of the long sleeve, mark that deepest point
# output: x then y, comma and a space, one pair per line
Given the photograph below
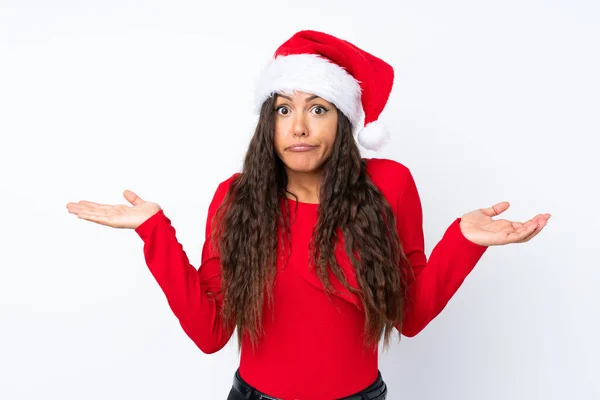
190, 292
438, 278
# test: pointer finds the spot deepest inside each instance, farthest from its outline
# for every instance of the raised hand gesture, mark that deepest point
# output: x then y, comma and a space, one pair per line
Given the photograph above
479, 227
119, 216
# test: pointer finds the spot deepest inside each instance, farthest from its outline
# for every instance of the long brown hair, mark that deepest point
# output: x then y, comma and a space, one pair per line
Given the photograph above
245, 232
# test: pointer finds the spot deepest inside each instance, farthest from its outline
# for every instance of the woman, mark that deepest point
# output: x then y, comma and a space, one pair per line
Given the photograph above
306, 218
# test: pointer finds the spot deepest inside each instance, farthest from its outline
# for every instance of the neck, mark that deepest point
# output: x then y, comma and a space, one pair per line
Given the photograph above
305, 185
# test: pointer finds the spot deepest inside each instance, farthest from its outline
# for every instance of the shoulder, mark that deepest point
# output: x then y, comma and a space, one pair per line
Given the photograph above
383, 166
390, 177
226, 184
222, 190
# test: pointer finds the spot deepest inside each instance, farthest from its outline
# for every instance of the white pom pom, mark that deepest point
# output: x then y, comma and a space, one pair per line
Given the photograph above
373, 136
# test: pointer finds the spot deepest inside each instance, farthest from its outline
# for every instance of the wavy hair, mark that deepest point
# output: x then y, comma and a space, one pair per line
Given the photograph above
247, 225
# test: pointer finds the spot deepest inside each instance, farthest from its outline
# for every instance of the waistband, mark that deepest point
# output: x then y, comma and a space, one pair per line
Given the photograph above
376, 391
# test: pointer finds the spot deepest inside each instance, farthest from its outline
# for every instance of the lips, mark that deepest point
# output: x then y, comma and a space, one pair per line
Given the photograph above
301, 147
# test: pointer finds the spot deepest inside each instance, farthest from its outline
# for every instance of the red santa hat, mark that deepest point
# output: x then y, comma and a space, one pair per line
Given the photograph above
357, 82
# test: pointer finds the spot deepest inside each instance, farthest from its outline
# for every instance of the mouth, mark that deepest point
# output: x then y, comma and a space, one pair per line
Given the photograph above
301, 147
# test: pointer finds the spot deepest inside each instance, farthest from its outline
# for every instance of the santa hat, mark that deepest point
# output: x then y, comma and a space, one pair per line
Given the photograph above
357, 82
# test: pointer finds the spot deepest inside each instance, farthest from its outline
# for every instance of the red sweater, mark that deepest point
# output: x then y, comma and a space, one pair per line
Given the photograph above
312, 348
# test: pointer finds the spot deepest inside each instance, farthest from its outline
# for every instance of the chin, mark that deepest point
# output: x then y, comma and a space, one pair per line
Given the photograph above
305, 165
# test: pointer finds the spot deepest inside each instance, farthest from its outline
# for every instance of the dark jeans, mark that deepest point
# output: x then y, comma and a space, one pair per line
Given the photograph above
241, 390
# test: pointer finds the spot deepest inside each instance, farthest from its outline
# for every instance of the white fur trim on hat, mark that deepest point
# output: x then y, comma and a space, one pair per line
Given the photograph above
312, 74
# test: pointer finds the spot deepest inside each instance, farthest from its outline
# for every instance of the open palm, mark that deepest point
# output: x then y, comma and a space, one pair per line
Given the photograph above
116, 216
479, 227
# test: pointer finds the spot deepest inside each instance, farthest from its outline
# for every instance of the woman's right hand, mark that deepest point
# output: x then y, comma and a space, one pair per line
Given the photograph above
119, 216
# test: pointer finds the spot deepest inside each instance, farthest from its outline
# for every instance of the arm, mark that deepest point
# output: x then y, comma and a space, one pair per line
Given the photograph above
438, 279
189, 292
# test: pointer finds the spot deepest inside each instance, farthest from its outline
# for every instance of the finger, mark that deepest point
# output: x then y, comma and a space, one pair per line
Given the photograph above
94, 213
78, 208
132, 197
512, 229
508, 229
496, 209
94, 217
538, 219
533, 234
91, 205
99, 213
517, 225
520, 234
503, 223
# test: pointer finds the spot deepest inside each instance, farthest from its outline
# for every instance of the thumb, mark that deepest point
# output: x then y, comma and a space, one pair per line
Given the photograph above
133, 198
496, 209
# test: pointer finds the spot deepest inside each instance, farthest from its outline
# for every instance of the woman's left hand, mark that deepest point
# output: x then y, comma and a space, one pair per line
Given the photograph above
479, 227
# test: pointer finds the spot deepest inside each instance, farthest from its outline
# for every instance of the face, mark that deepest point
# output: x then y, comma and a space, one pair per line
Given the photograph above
306, 120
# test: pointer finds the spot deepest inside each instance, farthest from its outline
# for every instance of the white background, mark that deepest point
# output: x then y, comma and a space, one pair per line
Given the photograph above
492, 101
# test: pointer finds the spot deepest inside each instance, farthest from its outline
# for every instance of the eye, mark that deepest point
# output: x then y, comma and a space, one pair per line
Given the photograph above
282, 110
319, 110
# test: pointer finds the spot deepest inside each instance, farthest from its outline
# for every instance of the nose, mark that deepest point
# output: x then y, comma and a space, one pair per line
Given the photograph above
299, 128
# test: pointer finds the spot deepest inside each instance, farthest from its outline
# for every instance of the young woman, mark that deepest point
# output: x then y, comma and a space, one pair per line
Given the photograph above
312, 252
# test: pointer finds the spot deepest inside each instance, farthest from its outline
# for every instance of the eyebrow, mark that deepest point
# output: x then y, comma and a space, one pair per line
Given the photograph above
306, 101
